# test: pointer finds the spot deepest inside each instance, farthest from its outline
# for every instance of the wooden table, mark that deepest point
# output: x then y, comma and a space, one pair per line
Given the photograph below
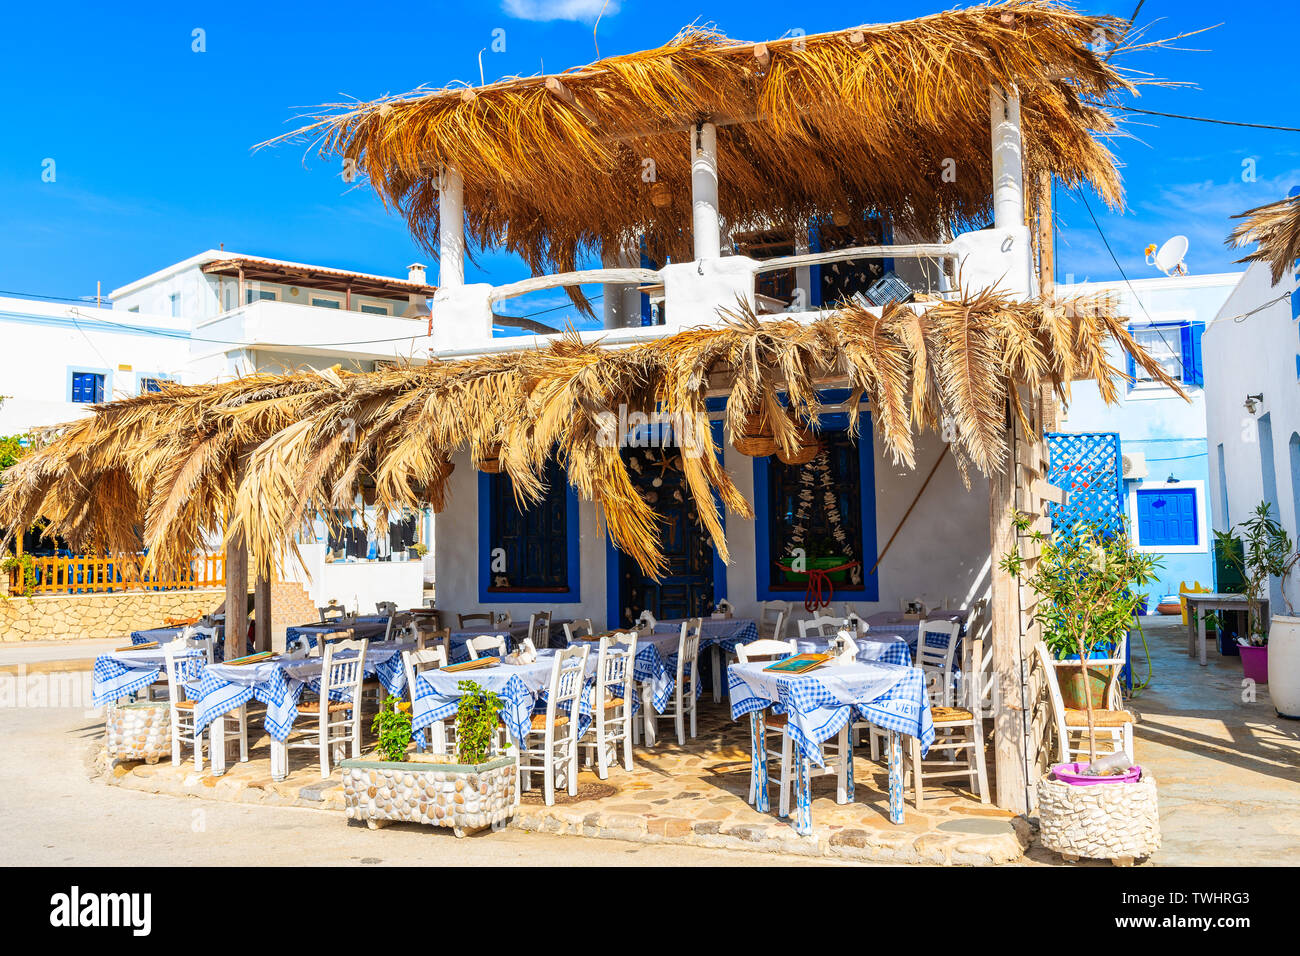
1197, 604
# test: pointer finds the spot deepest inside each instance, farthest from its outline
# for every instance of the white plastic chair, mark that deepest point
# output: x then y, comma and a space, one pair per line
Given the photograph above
959, 731
576, 630
539, 628
612, 710
486, 642
414, 663
1110, 721
551, 743
684, 700
179, 666
335, 721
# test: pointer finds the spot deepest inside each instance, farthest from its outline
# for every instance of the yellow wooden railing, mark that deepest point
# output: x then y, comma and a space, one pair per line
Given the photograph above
100, 575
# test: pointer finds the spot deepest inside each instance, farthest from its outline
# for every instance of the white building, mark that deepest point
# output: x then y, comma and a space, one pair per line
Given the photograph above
1164, 492
1252, 391
211, 317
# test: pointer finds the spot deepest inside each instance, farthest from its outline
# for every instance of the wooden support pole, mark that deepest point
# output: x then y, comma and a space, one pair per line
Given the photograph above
236, 596
1046, 280
262, 612
1008, 722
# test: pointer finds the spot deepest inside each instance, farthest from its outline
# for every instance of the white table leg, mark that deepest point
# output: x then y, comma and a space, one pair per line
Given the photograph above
217, 745
647, 702
279, 760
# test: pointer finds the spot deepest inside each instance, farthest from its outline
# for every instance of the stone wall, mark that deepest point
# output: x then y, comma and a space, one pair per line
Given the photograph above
291, 605
60, 617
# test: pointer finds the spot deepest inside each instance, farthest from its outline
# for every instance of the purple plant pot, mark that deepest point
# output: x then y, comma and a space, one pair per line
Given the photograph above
1254, 662
1072, 773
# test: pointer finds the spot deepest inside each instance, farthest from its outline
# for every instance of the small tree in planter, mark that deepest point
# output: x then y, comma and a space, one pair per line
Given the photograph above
477, 719
392, 727
1265, 552
1087, 579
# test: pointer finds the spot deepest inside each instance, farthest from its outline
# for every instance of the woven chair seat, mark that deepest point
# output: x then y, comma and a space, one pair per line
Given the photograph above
184, 705
1100, 718
950, 715
539, 721
313, 707
613, 702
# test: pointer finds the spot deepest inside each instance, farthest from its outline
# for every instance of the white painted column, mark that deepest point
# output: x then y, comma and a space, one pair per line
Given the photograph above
451, 229
706, 229
620, 309
1008, 153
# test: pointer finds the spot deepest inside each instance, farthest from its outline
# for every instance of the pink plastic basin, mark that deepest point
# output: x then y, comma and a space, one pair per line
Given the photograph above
1072, 773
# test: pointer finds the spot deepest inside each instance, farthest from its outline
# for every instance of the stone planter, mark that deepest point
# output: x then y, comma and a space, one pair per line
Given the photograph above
139, 731
463, 797
1108, 821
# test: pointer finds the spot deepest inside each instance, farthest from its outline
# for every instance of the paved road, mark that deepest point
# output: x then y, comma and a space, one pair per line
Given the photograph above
52, 814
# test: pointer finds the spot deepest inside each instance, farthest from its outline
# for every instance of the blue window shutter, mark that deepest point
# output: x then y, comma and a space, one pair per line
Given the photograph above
1197, 331
1167, 517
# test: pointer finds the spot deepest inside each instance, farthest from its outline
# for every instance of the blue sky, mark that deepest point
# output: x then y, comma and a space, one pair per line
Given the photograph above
151, 141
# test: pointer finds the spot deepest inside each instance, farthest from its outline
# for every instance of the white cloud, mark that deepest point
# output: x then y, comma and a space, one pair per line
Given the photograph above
582, 10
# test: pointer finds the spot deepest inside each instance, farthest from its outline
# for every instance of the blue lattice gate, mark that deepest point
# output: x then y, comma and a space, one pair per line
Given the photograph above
1090, 468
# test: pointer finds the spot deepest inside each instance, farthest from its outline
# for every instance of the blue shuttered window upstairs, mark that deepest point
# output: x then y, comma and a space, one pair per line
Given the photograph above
87, 387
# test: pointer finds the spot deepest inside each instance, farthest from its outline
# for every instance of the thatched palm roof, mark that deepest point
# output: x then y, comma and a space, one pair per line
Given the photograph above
1275, 228
862, 120
262, 453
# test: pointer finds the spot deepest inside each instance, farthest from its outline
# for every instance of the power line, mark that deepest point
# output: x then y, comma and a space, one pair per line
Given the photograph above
1177, 353
1206, 119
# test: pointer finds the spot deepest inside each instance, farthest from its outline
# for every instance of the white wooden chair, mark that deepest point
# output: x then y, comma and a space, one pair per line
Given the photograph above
936, 645
332, 723
414, 663
612, 708
496, 643
772, 620
1111, 722
577, 630
179, 666
551, 744
684, 700
821, 626
769, 649
439, 638
475, 619
958, 748
386, 608
539, 628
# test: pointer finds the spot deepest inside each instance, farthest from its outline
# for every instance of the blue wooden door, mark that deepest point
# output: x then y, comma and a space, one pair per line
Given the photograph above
1167, 517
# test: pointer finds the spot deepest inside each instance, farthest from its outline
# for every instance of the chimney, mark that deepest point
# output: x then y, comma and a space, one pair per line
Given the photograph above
418, 306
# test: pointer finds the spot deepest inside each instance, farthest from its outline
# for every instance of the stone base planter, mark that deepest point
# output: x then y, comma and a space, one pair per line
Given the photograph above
1108, 821
463, 797
139, 731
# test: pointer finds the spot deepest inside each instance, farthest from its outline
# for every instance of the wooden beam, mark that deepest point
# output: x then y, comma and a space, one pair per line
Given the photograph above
262, 612
1042, 489
565, 95
1004, 620
236, 596
762, 57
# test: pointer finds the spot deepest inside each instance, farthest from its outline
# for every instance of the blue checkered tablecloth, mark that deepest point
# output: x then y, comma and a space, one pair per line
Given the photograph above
279, 683
724, 632
164, 635
819, 703
522, 688
123, 673
886, 648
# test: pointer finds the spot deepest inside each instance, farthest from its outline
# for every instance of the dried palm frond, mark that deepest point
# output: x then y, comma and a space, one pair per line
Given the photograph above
1275, 229
170, 471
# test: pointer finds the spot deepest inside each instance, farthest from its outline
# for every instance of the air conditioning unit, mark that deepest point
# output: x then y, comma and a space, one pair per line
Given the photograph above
1135, 464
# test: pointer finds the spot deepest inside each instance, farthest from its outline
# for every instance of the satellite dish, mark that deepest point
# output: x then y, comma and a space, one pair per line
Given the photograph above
1169, 259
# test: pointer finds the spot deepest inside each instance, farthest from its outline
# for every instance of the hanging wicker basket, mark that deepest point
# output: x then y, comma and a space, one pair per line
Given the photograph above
490, 462
808, 448
755, 439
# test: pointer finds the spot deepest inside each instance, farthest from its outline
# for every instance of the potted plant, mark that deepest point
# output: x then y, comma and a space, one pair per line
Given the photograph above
820, 554
1265, 552
467, 791
1087, 579
419, 551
